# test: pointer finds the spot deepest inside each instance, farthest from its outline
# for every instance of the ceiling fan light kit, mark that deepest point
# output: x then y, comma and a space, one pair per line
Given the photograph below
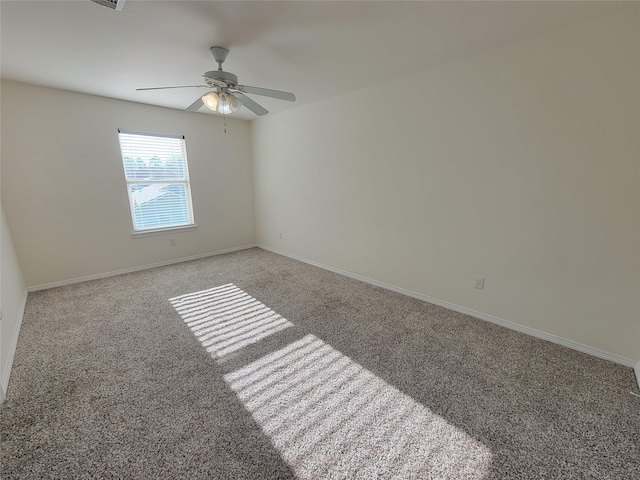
224, 103
227, 96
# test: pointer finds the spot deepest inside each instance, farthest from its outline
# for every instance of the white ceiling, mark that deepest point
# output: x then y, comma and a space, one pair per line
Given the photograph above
316, 49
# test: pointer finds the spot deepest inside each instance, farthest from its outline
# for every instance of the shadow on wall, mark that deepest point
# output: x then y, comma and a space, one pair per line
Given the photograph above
328, 416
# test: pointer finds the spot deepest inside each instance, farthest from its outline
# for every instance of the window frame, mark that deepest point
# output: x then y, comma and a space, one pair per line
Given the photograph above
167, 229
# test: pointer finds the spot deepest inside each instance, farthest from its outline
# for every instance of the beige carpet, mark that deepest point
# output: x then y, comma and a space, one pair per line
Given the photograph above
251, 365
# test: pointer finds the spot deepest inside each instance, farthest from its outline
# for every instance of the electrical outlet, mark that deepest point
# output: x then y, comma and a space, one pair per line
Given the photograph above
479, 283
280, 235
172, 242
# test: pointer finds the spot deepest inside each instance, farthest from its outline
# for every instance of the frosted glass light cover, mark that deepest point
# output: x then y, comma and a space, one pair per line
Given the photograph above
228, 104
211, 100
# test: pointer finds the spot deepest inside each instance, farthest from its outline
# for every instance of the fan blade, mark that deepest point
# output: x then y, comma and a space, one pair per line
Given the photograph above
180, 86
266, 92
251, 105
195, 106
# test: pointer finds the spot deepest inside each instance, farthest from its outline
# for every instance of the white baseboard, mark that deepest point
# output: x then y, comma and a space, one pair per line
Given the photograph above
4, 381
627, 362
98, 276
637, 370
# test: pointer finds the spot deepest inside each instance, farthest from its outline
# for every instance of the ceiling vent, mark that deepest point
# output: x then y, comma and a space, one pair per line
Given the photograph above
113, 4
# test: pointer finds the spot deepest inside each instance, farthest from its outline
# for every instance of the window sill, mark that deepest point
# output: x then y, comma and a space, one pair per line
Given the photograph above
164, 231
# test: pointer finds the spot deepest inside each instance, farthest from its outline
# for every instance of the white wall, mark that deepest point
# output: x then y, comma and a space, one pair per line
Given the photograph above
520, 165
13, 295
64, 193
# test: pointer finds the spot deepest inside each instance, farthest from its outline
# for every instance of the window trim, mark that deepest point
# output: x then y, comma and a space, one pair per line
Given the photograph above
152, 232
149, 232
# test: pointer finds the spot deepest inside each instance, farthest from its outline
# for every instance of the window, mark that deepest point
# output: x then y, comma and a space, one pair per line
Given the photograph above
157, 175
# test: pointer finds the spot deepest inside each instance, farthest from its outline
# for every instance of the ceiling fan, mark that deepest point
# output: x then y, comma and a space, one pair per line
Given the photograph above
226, 95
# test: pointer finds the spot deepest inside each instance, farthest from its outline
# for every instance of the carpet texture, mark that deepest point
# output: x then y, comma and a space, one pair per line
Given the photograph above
251, 365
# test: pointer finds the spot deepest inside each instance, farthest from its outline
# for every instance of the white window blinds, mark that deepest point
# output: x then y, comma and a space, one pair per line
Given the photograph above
157, 176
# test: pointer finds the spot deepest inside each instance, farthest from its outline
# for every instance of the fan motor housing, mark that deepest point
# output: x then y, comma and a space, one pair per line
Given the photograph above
227, 77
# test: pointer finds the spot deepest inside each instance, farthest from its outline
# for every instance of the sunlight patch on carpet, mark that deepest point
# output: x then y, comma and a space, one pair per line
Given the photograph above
327, 416
226, 319
331, 418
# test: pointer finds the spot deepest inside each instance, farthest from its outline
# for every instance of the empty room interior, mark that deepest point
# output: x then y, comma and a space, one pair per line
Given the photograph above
309, 240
